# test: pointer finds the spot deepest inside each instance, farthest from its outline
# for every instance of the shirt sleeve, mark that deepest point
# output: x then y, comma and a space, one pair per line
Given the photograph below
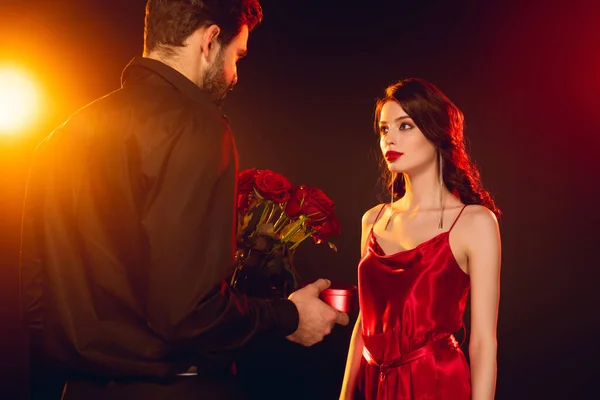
189, 222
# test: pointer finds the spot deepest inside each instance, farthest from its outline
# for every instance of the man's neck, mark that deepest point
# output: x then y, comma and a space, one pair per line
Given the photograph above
179, 62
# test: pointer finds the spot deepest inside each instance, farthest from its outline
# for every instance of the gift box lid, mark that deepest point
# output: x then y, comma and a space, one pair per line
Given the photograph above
340, 289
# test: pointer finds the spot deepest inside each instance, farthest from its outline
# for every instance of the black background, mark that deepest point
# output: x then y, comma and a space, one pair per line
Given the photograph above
525, 73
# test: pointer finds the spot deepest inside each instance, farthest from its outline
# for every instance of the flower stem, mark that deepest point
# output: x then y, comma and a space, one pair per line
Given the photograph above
293, 247
283, 219
293, 230
264, 214
271, 213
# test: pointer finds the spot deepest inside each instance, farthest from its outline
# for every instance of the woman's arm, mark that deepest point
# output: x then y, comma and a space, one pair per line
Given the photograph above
353, 361
484, 257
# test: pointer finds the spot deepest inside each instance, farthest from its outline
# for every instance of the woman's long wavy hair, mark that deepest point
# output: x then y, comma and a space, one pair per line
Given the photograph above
442, 123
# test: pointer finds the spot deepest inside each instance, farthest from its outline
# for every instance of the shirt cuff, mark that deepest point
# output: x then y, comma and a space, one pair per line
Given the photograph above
287, 316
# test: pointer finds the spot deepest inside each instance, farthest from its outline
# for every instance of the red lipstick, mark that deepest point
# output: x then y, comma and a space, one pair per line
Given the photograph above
392, 156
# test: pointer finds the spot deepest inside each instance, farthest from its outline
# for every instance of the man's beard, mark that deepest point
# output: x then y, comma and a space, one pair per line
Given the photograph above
214, 81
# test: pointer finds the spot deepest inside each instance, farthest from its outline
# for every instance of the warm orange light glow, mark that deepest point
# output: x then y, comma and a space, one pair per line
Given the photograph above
19, 100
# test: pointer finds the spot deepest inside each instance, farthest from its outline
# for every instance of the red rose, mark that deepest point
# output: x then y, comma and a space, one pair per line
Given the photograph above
330, 227
246, 180
273, 186
293, 207
317, 207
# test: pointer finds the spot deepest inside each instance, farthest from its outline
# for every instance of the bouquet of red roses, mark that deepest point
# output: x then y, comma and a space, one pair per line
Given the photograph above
274, 218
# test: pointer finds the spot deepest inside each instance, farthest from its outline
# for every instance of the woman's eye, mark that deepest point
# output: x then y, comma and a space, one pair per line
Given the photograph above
383, 130
405, 126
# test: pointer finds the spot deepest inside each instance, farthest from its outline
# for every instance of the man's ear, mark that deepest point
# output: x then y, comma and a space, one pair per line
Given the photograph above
209, 41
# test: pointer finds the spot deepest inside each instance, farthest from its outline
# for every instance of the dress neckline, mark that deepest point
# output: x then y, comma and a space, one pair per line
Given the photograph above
383, 254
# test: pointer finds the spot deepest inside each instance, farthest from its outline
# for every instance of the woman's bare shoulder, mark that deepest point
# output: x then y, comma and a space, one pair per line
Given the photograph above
370, 215
478, 216
478, 223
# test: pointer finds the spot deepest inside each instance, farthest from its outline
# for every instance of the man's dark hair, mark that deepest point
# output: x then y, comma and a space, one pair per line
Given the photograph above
170, 22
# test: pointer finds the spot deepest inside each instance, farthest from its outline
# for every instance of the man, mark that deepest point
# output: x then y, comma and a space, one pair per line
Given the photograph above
129, 224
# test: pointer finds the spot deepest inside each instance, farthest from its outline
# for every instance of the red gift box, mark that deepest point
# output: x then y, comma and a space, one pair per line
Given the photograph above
342, 297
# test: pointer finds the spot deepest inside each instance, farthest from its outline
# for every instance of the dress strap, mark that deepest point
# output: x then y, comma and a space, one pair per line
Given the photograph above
377, 217
457, 217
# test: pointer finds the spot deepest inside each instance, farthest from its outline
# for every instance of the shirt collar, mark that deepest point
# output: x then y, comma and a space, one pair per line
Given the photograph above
134, 71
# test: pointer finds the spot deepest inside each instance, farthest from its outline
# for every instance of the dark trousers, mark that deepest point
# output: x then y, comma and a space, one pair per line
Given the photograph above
183, 388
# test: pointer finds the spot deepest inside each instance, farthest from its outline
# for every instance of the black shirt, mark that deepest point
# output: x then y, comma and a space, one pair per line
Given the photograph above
128, 235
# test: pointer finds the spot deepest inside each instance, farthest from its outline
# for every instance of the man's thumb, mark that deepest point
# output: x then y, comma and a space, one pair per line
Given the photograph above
321, 284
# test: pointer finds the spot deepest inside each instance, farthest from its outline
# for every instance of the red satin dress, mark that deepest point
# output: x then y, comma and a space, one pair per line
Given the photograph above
411, 302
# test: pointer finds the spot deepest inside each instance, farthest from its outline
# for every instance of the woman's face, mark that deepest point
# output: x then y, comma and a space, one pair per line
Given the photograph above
402, 143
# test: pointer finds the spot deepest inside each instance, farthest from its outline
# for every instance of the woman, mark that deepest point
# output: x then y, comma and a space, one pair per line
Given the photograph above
421, 253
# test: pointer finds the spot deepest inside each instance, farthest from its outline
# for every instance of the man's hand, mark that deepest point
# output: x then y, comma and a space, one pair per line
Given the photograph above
316, 318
